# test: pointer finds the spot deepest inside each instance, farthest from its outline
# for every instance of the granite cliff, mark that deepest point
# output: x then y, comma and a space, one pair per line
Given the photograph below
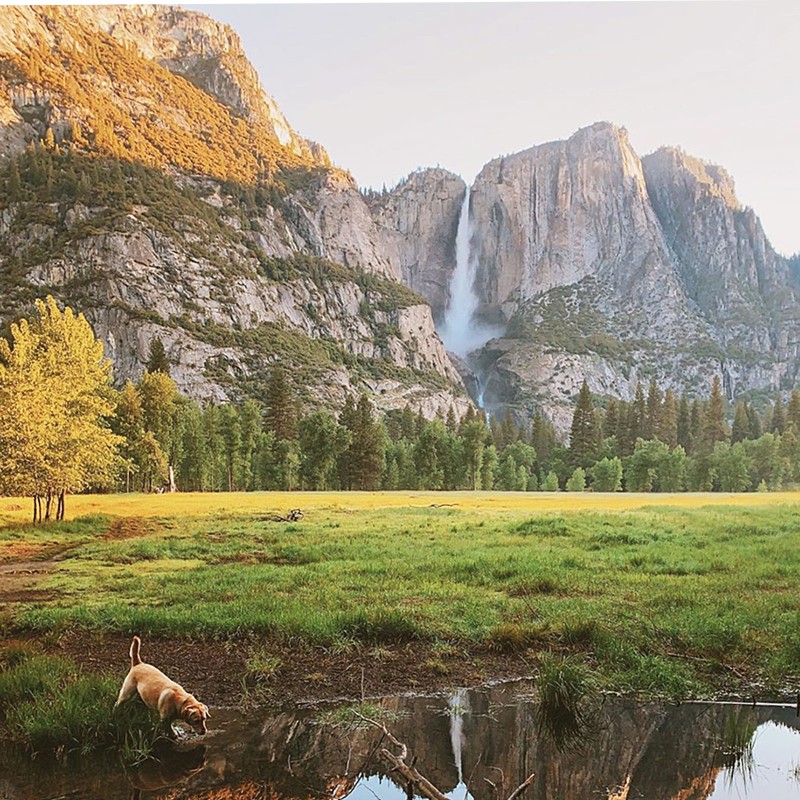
607, 266
168, 196
153, 183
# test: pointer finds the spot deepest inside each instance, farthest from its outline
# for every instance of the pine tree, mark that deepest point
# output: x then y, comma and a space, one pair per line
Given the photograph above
623, 434
714, 427
793, 409
364, 459
408, 424
157, 360
281, 412
584, 434
778, 422
695, 424
543, 436
652, 411
685, 424
505, 433
611, 419
668, 423
755, 423
741, 423
637, 419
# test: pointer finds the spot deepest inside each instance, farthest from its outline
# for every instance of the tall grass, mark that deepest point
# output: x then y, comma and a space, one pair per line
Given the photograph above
567, 693
49, 706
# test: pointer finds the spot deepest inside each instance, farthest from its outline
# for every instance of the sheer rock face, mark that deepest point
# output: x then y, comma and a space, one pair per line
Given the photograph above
418, 221
618, 269
555, 214
335, 222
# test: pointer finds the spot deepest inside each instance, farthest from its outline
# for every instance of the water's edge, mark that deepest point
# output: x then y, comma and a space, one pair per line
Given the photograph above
478, 743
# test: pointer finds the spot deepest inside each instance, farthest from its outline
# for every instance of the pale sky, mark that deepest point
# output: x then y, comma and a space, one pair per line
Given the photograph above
392, 87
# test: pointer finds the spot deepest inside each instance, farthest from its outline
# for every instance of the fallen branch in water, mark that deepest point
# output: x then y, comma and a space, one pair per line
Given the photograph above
522, 787
412, 776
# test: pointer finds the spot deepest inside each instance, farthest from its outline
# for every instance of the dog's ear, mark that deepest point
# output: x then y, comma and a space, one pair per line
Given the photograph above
205, 709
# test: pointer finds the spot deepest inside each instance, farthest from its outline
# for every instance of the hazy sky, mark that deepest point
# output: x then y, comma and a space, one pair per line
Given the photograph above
389, 88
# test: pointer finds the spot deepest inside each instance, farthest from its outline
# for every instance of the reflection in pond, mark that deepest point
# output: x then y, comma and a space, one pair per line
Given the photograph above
477, 744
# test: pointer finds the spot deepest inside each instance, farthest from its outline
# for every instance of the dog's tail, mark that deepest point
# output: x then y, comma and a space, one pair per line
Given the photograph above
135, 657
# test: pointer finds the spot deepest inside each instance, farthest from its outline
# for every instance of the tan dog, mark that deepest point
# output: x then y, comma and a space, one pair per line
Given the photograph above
161, 694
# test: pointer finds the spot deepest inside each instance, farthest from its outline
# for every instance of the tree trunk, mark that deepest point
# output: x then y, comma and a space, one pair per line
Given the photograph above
48, 506
60, 512
34, 510
172, 487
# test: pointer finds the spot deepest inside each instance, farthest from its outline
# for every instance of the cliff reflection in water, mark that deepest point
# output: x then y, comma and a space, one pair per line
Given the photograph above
470, 743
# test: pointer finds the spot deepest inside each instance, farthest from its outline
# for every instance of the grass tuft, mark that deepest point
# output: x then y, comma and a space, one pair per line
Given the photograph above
49, 706
566, 690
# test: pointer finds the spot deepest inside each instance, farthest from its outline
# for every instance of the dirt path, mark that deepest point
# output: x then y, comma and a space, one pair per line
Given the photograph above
19, 579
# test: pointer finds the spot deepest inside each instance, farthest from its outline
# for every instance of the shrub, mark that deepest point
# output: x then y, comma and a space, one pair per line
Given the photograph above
577, 481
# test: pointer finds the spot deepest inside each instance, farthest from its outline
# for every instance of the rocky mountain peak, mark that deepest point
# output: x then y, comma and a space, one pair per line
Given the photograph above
691, 175
560, 212
114, 77
206, 52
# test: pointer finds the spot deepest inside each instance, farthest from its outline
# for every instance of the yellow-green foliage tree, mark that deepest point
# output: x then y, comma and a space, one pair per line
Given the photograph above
55, 398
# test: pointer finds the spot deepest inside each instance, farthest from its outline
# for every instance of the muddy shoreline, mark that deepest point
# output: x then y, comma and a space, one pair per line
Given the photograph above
216, 671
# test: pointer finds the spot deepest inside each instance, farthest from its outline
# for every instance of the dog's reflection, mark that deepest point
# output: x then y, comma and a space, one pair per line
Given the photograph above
169, 769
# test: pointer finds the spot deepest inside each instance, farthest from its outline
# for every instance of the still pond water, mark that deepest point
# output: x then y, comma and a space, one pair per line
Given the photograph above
479, 744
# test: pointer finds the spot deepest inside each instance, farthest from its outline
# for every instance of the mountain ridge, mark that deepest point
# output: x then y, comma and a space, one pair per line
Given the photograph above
576, 241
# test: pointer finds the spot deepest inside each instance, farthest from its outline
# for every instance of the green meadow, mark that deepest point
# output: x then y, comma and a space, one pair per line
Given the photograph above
656, 597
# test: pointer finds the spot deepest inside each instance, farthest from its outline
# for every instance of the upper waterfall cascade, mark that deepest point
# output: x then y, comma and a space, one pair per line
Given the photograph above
461, 331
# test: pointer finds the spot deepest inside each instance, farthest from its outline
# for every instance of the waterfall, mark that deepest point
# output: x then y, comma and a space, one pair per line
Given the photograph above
461, 332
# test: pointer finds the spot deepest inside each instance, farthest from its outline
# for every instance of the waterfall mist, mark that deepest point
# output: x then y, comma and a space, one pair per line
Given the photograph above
461, 332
